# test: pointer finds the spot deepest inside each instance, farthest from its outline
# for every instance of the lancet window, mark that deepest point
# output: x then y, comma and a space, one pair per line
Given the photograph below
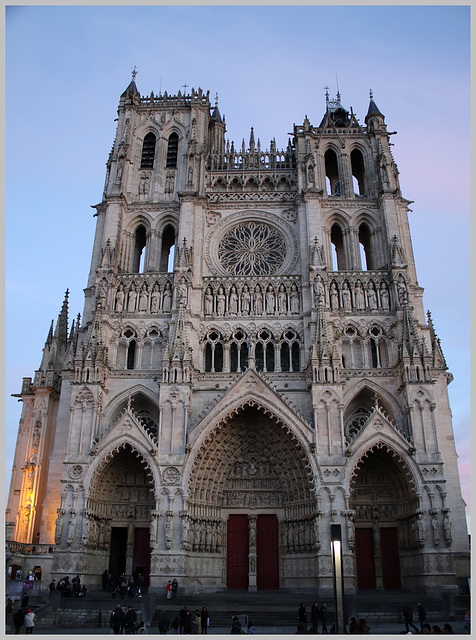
332, 173
172, 151
148, 151
358, 172
214, 352
168, 249
139, 250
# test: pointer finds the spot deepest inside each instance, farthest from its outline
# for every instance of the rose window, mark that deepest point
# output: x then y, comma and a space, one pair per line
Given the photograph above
252, 249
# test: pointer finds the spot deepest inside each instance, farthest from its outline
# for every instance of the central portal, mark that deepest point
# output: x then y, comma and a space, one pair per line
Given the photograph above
252, 552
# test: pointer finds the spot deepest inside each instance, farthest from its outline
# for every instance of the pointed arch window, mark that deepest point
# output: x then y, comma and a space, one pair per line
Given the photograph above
366, 256
332, 173
131, 354
168, 249
358, 172
139, 250
148, 151
238, 352
337, 242
264, 352
214, 353
172, 151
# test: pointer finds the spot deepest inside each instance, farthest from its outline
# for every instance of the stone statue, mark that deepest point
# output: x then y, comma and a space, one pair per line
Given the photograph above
131, 302
233, 301
245, 301
221, 302
294, 299
120, 298
270, 300
371, 296
346, 299
282, 302
208, 302
258, 301
143, 298
155, 298
447, 528
319, 291
384, 297
167, 301
334, 296
359, 296
421, 529
436, 530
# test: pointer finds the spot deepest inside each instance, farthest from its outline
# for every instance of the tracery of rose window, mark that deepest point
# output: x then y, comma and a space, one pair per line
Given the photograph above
252, 249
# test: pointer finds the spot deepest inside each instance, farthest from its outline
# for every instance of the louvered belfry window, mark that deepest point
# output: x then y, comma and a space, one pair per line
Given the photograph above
148, 152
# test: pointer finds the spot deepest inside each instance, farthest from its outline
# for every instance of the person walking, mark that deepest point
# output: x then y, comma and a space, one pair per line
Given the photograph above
302, 615
18, 619
164, 625
421, 615
116, 620
205, 620
323, 617
408, 617
174, 588
30, 619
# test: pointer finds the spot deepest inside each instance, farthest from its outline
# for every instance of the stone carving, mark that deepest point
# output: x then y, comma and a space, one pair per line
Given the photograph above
171, 476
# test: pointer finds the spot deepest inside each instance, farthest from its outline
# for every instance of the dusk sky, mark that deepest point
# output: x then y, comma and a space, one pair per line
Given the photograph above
66, 68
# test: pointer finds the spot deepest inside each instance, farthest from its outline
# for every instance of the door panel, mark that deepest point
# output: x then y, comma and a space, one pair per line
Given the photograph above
267, 564
390, 558
142, 554
237, 552
364, 551
117, 558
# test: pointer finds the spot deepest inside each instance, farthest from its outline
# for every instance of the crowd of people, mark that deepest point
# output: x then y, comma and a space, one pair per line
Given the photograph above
68, 588
122, 586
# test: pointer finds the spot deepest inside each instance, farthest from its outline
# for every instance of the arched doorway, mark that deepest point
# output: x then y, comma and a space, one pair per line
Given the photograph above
122, 494
384, 505
254, 476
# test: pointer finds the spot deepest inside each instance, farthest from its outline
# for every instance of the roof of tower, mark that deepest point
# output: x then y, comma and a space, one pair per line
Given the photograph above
335, 112
132, 88
373, 109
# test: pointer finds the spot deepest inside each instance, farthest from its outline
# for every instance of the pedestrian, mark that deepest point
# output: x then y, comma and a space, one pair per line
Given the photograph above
164, 625
235, 625
447, 628
174, 588
421, 614
187, 623
176, 625
426, 628
302, 616
24, 602
116, 619
30, 619
363, 626
18, 619
323, 617
408, 617
182, 616
205, 620
251, 628
52, 587
130, 620
168, 590
353, 626
436, 629
197, 622
315, 614
139, 585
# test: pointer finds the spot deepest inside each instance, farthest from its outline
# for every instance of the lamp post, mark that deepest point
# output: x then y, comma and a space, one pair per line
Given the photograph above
338, 576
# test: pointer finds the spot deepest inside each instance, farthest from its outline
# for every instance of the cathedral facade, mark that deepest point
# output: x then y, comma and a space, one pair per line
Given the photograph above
253, 364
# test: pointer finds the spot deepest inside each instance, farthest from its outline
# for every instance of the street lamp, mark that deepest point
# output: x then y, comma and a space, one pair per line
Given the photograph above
338, 575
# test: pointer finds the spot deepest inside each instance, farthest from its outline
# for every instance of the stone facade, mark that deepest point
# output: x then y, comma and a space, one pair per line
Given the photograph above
254, 350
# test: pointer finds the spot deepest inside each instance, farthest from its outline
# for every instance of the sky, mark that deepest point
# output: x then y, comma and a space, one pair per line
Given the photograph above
66, 67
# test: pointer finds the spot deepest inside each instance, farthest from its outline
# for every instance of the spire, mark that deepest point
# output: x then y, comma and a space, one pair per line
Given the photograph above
437, 352
373, 109
61, 332
216, 113
132, 88
410, 340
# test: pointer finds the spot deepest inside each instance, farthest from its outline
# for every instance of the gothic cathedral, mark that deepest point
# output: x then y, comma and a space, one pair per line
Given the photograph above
253, 364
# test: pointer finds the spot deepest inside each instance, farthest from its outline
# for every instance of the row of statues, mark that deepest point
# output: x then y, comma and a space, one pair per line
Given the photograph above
256, 300
360, 297
132, 298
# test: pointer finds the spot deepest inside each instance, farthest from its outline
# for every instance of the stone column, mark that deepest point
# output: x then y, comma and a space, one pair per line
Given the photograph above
252, 576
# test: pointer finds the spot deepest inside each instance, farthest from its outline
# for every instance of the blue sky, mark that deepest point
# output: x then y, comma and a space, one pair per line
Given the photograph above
67, 66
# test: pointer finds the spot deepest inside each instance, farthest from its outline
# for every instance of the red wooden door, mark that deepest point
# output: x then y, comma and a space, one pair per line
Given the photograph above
267, 564
237, 552
142, 554
364, 552
390, 559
